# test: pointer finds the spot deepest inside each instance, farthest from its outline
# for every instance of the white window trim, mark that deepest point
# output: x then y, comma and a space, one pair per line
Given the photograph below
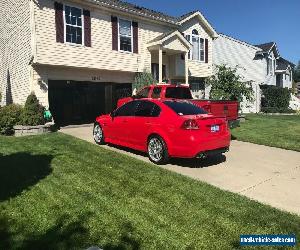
119, 43
65, 26
273, 63
199, 54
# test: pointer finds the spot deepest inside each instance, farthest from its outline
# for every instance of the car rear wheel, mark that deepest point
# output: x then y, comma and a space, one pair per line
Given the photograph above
157, 150
98, 134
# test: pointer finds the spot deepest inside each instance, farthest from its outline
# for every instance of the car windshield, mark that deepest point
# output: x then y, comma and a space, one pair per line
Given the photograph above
184, 108
178, 93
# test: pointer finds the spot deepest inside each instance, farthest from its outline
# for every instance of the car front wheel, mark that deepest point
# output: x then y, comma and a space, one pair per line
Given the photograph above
157, 150
98, 134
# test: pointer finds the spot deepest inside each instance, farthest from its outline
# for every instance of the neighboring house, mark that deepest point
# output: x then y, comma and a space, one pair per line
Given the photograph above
284, 73
260, 64
79, 57
298, 89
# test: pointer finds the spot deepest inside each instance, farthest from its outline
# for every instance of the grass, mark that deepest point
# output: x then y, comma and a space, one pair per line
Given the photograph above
58, 192
280, 131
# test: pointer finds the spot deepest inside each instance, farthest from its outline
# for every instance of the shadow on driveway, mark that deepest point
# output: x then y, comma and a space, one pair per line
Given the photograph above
182, 162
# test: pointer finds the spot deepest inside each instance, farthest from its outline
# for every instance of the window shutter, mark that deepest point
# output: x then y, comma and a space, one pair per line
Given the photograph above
87, 28
59, 22
135, 32
114, 25
206, 50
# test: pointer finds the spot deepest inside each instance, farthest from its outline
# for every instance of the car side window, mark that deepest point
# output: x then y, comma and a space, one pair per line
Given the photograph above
143, 93
156, 92
147, 109
127, 109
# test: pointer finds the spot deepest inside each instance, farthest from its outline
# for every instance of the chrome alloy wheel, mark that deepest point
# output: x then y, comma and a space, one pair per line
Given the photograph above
155, 149
98, 133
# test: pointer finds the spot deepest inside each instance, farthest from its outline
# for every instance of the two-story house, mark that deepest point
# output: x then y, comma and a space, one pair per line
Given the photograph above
79, 57
260, 64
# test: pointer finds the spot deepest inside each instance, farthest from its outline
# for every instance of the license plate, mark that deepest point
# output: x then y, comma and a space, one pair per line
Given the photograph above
215, 128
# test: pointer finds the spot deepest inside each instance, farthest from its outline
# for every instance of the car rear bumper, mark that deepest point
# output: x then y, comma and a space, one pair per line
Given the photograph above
191, 148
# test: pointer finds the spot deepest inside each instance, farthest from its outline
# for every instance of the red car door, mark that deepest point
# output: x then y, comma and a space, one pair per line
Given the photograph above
141, 125
119, 126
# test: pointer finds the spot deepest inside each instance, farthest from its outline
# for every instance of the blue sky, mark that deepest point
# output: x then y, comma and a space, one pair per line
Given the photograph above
253, 21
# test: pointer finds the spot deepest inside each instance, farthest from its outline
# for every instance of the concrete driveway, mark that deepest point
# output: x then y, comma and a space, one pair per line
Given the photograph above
266, 174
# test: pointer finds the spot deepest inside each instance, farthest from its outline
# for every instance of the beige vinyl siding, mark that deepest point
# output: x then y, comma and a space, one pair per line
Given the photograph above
15, 45
235, 53
196, 68
100, 55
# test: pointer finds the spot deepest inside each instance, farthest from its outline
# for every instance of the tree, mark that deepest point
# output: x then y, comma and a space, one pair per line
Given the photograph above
296, 73
143, 79
226, 84
33, 113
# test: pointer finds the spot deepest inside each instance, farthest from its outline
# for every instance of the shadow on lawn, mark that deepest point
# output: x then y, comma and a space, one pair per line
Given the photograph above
20, 171
66, 233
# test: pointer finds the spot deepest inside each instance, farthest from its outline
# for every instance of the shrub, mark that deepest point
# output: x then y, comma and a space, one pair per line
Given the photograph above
10, 116
275, 99
143, 79
33, 113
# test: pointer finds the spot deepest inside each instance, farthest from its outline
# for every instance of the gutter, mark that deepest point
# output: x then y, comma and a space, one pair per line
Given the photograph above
132, 12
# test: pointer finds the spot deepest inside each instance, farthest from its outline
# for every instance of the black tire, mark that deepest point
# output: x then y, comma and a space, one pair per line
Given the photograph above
160, 157
98, 134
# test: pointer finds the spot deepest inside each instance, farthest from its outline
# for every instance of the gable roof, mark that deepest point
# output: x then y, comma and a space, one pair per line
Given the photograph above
201, 18
164, 37
267, 47
283, 64
137, 10
153, 14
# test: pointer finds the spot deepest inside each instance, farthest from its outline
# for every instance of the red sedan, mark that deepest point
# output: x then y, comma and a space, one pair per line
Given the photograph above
164, 129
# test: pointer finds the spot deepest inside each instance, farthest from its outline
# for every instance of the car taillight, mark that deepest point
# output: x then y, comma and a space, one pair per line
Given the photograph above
190, 124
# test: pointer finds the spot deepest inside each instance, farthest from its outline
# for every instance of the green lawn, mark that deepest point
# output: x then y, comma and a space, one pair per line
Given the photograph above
58, 192
277, 131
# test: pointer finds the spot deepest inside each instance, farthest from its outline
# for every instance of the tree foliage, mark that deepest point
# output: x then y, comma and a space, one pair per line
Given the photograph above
296, 73
143, 79
226, 84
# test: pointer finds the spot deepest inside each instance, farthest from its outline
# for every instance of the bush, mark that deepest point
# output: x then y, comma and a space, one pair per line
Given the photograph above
143, 79
277, 110
33, 113
275, 99
10, 116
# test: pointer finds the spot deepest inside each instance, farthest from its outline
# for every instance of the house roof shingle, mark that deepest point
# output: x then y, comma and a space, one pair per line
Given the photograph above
283, 64
122, 5
265, 46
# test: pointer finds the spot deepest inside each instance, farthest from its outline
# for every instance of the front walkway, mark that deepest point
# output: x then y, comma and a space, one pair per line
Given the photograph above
266, 174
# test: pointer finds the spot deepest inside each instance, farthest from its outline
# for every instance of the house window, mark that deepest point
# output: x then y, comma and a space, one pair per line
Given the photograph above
270, 66
125, 35
73, 25
197, 52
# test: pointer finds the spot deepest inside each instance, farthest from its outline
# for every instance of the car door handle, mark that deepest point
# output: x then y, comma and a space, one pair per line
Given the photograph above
124, 121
